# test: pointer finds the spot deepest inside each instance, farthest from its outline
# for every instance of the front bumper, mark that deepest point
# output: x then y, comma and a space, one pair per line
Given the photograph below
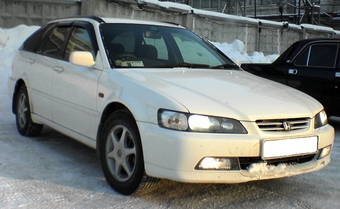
174, 155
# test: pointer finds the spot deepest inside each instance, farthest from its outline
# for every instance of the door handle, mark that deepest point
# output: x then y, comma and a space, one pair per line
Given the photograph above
292, 71
337, 74
59, 69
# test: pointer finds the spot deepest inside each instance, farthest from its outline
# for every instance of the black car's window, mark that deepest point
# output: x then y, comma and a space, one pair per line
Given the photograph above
79, 41
53, 44
287, 55
318, 55
302, 60
133, 45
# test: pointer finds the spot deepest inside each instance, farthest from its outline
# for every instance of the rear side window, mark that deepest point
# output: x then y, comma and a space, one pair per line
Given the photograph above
318, 55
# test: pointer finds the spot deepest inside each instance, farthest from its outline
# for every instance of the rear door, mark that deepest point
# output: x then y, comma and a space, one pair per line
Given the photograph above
41, 53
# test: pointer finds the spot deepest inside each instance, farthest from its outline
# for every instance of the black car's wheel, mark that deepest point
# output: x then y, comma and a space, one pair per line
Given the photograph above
25, 125
121, 156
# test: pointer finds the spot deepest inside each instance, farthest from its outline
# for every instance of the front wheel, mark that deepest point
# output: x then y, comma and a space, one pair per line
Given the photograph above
121, 155
25, 125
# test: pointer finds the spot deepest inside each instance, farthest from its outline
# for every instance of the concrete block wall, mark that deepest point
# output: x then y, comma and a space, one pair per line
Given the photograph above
257, 35
35, 12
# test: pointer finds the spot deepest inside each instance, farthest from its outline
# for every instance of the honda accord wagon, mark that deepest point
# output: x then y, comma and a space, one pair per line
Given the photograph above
156, 101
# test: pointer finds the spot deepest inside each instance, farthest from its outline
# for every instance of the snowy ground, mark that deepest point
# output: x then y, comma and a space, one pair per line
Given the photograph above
54, 171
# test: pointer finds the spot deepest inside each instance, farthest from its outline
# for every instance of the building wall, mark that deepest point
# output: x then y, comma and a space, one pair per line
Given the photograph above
35, 12
257, 35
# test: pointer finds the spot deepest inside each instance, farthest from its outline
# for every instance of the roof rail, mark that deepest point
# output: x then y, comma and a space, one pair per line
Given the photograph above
96, 18
172, 23
92, 17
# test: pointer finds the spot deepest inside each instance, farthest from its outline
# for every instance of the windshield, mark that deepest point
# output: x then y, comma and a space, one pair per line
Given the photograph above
150, 46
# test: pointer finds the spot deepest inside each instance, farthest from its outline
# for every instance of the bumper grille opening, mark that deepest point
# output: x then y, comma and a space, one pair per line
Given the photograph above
283, 124
245, 162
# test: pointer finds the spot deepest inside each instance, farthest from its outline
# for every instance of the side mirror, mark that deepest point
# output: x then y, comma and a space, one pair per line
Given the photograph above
82, 58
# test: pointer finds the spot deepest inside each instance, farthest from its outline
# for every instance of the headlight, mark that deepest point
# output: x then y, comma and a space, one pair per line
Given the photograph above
202, 123
199, 123
172, 120
320, 119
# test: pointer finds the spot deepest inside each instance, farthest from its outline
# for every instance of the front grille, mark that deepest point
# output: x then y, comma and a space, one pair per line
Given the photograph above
283, 124
245, 162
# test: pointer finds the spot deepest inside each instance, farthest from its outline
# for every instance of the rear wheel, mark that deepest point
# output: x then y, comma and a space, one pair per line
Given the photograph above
121, 156
25, 125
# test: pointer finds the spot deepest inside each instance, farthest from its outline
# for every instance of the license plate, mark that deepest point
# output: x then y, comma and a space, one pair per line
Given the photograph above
289, 147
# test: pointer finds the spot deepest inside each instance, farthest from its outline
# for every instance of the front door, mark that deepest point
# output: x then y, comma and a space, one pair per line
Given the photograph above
313, 72
74, 88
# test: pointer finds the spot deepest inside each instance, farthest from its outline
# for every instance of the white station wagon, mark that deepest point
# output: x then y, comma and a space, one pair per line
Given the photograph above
158, 102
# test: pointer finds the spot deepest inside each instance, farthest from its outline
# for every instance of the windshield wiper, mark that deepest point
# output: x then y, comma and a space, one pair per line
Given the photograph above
226, 66
185, 65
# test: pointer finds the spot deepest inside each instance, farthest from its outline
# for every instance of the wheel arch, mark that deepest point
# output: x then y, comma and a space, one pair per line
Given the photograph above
139, 182
17, 86
108, 110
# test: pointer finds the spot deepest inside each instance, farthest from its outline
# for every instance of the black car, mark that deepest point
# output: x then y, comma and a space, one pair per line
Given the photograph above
311, 66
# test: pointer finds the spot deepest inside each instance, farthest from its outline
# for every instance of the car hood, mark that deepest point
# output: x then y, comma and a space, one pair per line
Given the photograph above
227, 93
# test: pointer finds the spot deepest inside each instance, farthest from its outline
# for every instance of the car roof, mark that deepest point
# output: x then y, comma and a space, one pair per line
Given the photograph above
319, 40
292, 51
305, 42
103, 20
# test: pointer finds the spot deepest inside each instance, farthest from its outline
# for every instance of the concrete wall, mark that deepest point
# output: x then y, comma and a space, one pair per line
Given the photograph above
35, 12
257, 35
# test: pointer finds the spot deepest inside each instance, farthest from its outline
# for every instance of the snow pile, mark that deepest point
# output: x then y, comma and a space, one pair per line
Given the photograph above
265, 168
261, 170
11, 39
236, 52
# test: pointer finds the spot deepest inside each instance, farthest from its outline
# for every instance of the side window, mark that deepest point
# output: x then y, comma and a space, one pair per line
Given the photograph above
303, 58
79, 41
323, 55
33, 42
319, 55
54, 43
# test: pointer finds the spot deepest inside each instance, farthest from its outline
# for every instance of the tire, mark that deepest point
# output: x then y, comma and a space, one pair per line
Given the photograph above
25, 125
121, 156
